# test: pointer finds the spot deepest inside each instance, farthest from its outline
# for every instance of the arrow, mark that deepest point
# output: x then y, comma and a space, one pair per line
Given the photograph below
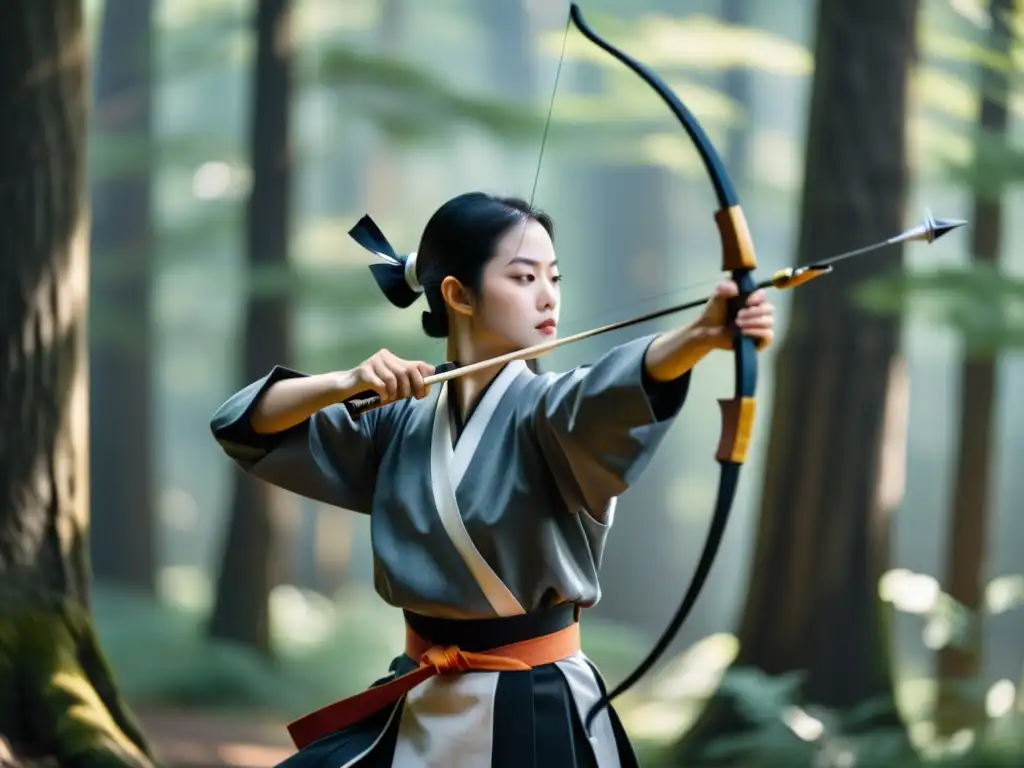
929, 231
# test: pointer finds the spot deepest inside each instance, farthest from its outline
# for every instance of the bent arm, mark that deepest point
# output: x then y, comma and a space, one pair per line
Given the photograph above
287, 429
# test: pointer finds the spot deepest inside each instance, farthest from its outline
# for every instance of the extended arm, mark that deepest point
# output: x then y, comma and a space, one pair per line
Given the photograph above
676, 352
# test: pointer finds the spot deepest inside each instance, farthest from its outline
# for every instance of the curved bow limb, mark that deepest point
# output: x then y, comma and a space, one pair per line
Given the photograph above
738, 413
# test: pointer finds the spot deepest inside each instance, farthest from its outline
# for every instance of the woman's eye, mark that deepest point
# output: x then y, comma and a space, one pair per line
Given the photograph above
556, 279
523, 278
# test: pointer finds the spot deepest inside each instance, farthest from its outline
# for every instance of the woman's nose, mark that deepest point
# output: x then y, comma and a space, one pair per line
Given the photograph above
548, 295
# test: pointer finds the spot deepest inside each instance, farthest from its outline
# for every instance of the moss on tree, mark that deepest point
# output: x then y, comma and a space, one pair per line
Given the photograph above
57, 696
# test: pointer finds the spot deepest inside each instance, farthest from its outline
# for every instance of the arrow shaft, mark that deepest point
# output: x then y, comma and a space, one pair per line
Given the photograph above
781, 280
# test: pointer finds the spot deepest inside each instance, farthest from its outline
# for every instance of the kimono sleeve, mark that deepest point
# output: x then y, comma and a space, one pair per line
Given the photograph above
329, 457
602, 423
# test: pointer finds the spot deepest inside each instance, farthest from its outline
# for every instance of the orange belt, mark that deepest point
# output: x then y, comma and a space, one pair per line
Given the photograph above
434, 660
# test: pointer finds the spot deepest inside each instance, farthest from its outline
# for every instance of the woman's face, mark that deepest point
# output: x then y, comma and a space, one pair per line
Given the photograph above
520, 292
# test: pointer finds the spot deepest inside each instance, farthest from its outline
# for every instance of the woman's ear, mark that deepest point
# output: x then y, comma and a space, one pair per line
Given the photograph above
456, 296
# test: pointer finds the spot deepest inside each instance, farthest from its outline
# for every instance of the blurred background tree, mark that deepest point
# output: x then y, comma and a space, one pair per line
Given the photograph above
827, 604
121, 283
823, 536
57, 696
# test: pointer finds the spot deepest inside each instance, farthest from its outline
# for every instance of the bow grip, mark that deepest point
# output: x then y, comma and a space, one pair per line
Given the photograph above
368, 400
738, 255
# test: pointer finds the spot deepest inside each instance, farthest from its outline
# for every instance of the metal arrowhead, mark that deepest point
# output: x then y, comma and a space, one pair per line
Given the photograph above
930, 230
942, 226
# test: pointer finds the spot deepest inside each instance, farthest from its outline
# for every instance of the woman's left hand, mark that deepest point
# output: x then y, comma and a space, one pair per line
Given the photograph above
756, 319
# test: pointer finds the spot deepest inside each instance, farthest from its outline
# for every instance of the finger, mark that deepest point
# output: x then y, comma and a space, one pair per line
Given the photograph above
425, 370
763, 310
727, 290
373, 381
388, 377
757, 321
404, 383
762, 306
419, 389
760, 334
757, 298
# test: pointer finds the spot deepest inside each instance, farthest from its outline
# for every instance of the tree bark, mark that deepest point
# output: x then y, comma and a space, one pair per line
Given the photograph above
123, 537
968, 532
248, 567
57, 697
835, 463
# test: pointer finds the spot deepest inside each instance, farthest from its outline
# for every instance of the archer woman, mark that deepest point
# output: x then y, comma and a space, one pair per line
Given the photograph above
490, 496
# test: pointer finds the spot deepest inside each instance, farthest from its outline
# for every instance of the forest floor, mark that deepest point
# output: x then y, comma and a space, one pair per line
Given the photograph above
184, 738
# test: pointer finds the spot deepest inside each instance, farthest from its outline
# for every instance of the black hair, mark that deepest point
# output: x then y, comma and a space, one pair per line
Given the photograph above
458, 241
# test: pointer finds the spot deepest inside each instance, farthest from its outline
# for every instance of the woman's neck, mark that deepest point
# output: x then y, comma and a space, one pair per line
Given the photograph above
467, 389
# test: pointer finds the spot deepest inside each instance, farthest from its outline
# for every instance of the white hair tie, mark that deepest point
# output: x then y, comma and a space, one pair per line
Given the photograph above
410, 273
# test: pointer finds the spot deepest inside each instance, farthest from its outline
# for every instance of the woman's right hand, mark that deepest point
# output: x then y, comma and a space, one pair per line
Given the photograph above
389, 376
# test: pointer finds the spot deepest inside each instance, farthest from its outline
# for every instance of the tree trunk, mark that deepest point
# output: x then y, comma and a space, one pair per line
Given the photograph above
248, 567
968, 533
57, 697
123, 536
835, 464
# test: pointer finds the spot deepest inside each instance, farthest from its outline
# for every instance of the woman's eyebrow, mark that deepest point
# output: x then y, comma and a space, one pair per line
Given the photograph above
529, 262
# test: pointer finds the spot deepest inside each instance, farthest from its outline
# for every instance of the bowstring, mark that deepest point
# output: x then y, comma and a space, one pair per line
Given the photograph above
536, 183
547, 126
577, 321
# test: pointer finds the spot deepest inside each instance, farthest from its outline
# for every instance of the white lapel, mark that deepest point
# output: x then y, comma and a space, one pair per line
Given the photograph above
473, 430
448, 467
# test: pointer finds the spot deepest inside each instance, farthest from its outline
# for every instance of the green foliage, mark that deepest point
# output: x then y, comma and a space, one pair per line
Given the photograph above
204, 38
997, 163
787, 733
980, 302
410, 105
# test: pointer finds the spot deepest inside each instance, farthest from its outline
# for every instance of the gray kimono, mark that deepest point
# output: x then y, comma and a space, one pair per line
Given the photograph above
513, 517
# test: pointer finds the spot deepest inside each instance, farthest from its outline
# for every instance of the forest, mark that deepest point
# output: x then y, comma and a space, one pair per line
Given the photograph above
177, 181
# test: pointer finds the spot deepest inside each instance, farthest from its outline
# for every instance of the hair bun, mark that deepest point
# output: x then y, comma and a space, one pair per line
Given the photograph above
435, 325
